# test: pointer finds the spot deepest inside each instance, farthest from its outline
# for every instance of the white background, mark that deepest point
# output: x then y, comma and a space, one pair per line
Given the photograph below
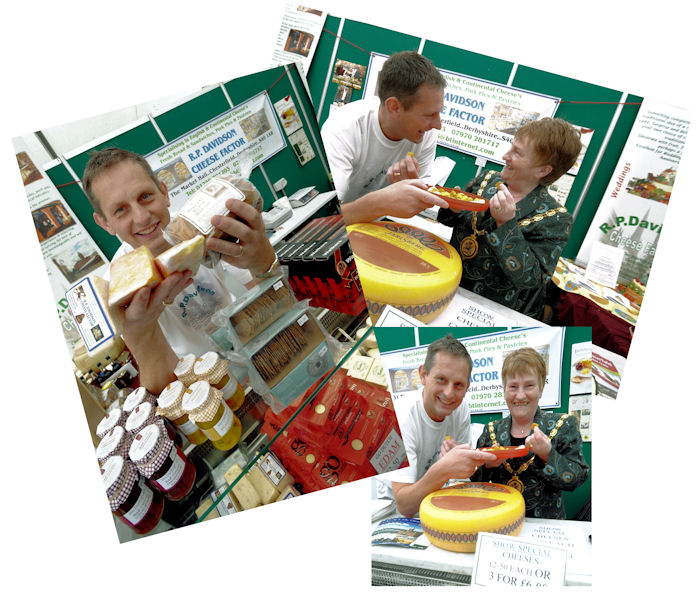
63, 61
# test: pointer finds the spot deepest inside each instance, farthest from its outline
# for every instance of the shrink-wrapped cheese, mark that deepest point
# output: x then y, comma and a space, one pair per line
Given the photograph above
183, 256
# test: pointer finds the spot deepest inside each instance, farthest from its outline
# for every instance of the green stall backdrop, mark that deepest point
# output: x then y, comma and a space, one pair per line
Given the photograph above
391, 339
144, 137
354, 41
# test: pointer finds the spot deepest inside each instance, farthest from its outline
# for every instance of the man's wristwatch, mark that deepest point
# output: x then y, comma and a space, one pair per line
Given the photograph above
270, 271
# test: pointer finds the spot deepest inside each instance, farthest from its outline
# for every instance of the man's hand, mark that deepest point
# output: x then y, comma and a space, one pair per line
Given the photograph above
502, 206
142, 312
406, 169
540, 444
462, 461
253, 250
447, 445
403, 199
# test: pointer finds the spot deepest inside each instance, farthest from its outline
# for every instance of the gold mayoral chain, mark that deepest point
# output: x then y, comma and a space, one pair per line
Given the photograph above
469, 245
515, 481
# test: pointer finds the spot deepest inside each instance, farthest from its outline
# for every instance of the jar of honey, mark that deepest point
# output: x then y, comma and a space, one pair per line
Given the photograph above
183, 370
170, 407
131, 499
217, 371
205, 407
159, 459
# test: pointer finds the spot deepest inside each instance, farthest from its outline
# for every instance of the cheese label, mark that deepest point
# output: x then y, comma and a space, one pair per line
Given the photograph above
274, 471
208, 201
390, 454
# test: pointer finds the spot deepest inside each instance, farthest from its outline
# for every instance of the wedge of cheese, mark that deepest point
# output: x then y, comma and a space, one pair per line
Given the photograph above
243, 490
129, 273
185, 255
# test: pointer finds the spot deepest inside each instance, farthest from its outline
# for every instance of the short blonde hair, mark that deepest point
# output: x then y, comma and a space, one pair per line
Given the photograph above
524, 361
555, 142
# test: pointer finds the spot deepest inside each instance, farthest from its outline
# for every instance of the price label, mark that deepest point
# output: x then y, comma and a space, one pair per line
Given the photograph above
504, 560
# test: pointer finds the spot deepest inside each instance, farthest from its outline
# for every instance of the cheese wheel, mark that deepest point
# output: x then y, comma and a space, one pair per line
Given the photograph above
453, 517
405, 267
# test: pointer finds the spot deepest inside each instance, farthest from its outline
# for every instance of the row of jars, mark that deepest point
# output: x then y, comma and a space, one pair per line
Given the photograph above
202, 401
142, 462
140, 449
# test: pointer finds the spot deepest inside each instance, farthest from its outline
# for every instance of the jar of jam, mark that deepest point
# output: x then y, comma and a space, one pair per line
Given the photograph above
114, 418
183, 369
159, 459
135, 398
144, 415
205, 407
131, 499
216, 370
170, 407
115, 442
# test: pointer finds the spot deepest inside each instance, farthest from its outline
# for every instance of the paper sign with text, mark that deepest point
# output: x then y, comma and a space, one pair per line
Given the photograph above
503, 560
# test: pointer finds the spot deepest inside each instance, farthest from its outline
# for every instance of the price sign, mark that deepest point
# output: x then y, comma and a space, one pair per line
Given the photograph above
504, 560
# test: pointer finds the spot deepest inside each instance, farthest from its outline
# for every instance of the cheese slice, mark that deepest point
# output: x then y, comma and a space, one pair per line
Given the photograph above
453, 517
129, 273
405, 267
185, 255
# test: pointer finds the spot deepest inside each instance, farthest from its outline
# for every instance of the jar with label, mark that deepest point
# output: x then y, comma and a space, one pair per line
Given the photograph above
216, 370
205, 407
183, 370
115, 442
131, 499
170, 407
143, 415
135, 398
114, 418
159, 459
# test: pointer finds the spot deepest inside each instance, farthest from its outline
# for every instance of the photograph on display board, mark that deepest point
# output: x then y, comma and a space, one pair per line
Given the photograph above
524, 210
497, 443
249, 329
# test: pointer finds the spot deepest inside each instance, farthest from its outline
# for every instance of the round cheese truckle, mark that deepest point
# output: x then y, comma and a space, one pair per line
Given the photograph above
453, 517
405, 267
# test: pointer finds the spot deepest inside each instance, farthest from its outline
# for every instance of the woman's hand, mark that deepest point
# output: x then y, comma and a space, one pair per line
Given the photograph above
540, 444
502, 206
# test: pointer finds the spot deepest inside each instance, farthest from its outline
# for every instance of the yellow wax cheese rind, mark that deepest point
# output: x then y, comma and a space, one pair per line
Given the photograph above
183, 256
129, 273
405, 267
453, 517
244, 490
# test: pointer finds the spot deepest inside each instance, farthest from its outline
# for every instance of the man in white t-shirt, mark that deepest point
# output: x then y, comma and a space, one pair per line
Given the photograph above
131, 203
436, 431
379, 148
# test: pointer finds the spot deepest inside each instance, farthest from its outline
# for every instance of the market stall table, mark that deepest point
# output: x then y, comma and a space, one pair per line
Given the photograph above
392, 565
585, 303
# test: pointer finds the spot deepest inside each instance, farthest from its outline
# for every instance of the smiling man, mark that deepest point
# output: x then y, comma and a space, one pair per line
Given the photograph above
159, 325
436, 431
379, 148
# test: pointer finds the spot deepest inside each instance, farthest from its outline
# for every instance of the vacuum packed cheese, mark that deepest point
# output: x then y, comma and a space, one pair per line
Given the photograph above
129, 273
183, 256
244, 490
405, 267
453, 517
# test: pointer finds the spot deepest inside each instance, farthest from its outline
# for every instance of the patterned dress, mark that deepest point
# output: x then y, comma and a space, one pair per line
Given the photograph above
513, 263
566, 468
